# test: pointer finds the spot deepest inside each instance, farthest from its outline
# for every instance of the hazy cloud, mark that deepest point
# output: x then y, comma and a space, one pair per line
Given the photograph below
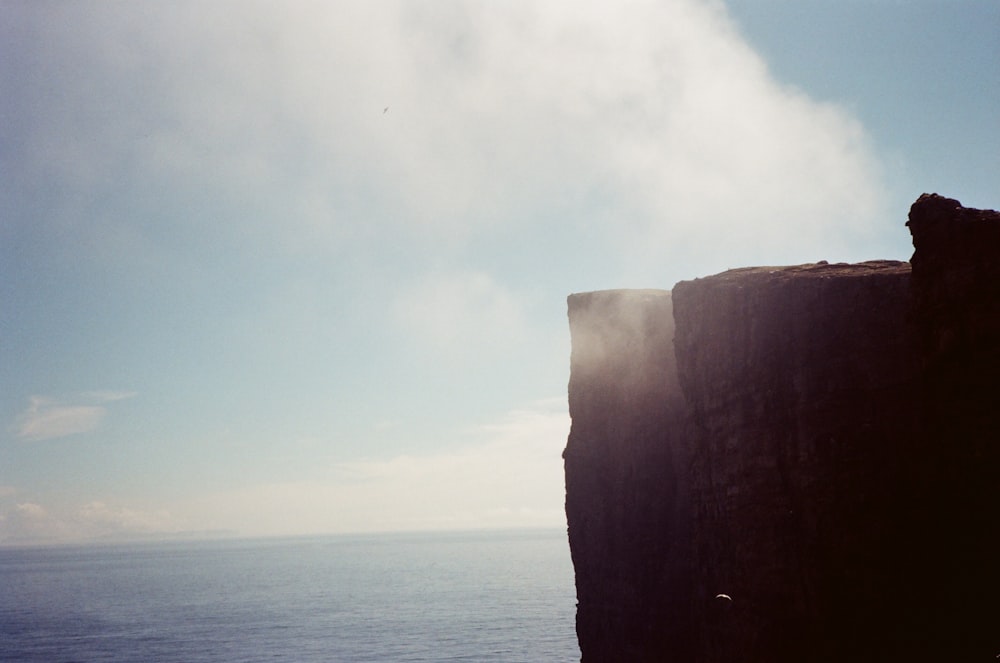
31, 511
460, 311
48, 418
503, 473
100, 519
31, 522
652, 123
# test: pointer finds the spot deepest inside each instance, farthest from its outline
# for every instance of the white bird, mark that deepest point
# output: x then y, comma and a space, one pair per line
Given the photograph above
724, 596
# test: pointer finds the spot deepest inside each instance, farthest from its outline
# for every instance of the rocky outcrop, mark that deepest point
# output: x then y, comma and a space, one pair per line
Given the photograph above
819, 443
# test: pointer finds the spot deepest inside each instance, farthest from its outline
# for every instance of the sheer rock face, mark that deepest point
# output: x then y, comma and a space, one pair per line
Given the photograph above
821, 443
625, 470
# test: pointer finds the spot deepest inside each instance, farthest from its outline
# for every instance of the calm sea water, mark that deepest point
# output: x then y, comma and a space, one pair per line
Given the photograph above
483, 596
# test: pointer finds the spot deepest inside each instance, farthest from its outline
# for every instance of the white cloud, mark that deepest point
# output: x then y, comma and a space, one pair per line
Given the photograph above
47, 418
519, 114
100, 519
505, 473
31, 522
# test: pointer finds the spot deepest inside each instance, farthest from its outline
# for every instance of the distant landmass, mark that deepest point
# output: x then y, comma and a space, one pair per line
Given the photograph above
792, 464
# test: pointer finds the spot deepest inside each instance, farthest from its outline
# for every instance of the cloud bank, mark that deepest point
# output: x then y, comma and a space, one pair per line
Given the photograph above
650, 127
30, 523
504, 474
508, 473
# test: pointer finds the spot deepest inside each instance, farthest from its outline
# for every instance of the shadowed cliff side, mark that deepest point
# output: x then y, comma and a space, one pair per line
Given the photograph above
818, 442
628, 525
800, 385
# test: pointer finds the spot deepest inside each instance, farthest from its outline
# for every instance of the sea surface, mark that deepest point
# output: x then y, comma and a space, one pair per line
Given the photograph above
471, 596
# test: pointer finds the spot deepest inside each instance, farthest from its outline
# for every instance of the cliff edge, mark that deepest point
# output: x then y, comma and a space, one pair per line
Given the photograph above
793, 463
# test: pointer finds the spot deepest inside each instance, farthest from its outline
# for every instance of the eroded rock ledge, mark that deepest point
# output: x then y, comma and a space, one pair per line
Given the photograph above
821, 443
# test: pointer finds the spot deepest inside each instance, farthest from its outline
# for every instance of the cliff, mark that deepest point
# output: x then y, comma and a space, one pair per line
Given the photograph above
819, 443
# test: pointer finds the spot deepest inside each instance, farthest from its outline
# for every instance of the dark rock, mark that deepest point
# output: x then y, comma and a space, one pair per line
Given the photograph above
628, 533
818, 443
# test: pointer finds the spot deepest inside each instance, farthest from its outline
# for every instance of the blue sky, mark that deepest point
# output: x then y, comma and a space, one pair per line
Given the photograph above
301, 267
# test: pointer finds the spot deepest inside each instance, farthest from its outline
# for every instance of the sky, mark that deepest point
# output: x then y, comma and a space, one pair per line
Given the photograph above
301, 267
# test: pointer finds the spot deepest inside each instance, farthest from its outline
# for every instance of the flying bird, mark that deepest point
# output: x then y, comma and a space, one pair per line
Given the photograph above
385, 110
724, 596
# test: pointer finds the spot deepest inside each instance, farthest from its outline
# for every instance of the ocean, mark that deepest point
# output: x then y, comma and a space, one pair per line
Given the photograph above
459, 596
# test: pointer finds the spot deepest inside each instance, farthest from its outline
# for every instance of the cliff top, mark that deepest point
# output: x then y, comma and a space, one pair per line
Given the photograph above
817, 270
